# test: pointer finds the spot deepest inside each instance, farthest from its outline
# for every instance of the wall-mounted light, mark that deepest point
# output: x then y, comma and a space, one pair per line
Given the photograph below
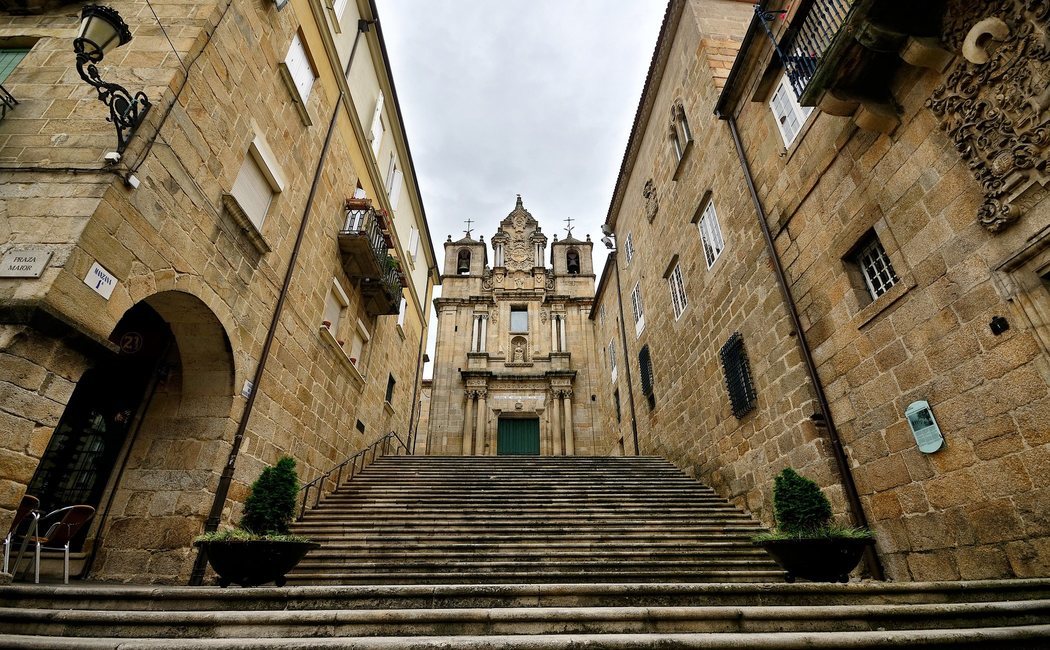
101, 31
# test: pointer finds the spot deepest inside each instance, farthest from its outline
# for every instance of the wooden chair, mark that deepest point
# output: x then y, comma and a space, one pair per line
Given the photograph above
28, 508
65, 523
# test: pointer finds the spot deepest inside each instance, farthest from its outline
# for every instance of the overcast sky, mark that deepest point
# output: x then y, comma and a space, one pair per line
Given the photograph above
518, 96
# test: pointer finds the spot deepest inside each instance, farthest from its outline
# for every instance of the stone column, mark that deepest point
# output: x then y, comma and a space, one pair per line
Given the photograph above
479, 434
484, 332
570, 446
473, 333
554, 333
561, 329
555, 423
467, 404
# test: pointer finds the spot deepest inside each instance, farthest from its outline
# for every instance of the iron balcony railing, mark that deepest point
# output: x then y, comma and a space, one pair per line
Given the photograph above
804, 45
330, 481
7, 102
363, 221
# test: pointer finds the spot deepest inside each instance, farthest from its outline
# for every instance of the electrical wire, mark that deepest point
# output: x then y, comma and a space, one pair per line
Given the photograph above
165, 32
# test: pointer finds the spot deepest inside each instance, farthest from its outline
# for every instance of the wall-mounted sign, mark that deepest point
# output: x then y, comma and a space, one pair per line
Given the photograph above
27, 263
246, 388
924, 427
101, 280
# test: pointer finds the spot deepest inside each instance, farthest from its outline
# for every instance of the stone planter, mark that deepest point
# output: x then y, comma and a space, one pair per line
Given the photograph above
817, 560
252, 563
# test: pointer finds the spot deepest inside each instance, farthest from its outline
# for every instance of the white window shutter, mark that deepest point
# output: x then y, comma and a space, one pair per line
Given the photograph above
395, 189
377, 125
299, 67
252, 191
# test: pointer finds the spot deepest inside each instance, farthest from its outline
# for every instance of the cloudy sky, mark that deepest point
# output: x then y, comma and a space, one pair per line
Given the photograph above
518, 96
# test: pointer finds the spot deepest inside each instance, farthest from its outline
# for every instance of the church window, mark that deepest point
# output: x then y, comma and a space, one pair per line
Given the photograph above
463, 262
789, 115
711, 234
638, 309
678, 299
737, 370
519, 319
572, 261
628, 249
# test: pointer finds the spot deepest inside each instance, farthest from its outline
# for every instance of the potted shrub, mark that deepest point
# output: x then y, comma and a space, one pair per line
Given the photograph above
260, 550
806, 543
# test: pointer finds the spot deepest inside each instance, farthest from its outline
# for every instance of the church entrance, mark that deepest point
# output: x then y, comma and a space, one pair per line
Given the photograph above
518, 437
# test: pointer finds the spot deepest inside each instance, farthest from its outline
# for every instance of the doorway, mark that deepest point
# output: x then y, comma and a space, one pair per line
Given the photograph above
518, 437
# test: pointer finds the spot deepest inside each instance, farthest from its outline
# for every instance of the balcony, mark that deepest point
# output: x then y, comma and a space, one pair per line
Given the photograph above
382, 295
7, 102
363, 241
842, 55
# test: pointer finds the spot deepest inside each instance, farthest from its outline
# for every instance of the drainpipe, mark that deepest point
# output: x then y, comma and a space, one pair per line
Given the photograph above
410, 437
362, 27
871, 560
226, 478
626, 356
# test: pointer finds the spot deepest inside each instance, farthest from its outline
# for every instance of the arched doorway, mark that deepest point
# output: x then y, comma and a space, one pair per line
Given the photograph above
144, 438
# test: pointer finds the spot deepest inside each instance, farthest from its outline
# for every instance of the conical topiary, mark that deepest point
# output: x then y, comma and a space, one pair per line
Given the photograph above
799, 505
271, 504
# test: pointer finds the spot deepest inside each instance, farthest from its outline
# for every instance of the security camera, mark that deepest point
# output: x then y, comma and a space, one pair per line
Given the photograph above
132, 182
608, 242
606, 230
112, 158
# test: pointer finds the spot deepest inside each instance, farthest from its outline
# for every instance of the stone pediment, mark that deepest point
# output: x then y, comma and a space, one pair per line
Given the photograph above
517, 233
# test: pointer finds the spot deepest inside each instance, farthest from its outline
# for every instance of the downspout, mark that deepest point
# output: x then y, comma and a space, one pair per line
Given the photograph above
362, 27
626, 356
410, 437
871, 560
223, 489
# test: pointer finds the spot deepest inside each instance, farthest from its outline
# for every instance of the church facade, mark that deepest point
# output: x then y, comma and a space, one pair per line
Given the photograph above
514, 362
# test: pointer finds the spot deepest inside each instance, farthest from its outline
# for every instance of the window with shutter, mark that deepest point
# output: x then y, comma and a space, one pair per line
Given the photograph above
252, 191
413, 243
338, 8
300, 68
9, 58
737, 371
395, 189
377, 129
401, 312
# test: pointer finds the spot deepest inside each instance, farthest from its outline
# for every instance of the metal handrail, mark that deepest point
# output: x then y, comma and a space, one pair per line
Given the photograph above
802, 48
363, 220
379, 448
7, 101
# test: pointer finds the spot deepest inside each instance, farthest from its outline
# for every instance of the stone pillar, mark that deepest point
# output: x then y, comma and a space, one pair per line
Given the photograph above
570, 446
555, 423
473, 333
561, 330
484, 333
554, 333
467, 404
479, 434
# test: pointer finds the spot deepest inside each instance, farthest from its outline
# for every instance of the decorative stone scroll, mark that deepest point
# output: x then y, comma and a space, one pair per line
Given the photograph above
994, 103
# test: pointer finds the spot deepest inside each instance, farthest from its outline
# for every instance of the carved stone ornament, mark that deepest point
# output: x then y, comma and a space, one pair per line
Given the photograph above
486, 281
652, 202
993, 104
543, 315
550, 280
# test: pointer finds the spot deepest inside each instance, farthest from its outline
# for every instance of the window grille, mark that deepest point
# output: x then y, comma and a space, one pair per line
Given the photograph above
645, 371
678, 299
601, 315
876, 267
711, 234
628, 249
612, 360
737, 370
616, 402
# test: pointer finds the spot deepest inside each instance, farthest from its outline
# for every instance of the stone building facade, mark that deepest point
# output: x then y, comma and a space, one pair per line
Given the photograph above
513, 367
248, 279
899, 183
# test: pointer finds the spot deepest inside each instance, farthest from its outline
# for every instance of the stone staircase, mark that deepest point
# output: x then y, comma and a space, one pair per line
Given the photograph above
537, 553
528, 519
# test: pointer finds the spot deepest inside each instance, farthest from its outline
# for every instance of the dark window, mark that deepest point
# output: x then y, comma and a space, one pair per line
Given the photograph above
463, 262
616, 402
519, 319
738, 375
390, 382
572, 261
360, 426
645, 367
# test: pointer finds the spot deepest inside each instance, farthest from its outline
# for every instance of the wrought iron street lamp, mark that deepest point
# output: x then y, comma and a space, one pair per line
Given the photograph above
102, 30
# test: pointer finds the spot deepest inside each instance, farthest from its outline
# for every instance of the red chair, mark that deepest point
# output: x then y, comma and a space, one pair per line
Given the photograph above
65, 523
27, 508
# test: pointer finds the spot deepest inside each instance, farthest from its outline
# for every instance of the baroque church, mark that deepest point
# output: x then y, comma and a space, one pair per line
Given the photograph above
514, 363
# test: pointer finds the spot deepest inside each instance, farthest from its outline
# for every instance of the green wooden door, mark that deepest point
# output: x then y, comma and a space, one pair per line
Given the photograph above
518, 436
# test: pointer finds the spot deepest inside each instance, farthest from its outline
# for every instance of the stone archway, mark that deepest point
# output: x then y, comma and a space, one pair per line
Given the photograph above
161, 488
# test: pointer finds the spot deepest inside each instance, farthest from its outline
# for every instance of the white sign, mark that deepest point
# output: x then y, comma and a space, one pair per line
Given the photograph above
101, 280
246, 389
28, 263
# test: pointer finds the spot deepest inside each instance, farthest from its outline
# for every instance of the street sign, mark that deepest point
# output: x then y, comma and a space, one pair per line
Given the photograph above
101, 280
27, 263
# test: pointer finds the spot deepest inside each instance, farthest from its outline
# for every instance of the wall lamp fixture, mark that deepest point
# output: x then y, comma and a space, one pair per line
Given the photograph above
101, 31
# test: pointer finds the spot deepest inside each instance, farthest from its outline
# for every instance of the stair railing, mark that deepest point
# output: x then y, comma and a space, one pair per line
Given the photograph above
319, 486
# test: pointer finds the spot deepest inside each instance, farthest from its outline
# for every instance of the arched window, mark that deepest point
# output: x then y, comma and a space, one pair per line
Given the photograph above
572, 261
681, 135
463, 262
